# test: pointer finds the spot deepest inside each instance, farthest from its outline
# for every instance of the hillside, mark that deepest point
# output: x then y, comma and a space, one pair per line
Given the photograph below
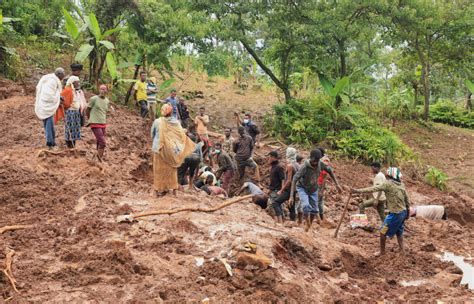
76, 252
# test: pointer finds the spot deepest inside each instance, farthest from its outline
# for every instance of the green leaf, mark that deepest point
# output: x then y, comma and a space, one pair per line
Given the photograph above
326, 84
340, 85
109, 45
59, 35
110, 32
124, 65
111, 65
1, 17
93, 26
83, 52
71, 26
469, 85
166, 84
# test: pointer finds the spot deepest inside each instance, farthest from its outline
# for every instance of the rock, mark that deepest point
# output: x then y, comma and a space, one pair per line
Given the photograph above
257, 259
454, 269
428, 247
325, 267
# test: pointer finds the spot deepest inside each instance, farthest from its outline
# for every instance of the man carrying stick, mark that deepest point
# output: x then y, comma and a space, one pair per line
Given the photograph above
397, 205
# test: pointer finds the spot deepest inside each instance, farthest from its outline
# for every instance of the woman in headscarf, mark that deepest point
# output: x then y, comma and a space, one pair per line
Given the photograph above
70, 112
170, 147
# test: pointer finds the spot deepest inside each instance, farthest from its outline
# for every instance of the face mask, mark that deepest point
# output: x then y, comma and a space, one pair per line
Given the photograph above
246, 121
217, 151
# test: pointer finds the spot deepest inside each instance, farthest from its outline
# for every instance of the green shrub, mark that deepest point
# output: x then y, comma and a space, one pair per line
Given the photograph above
353, 133
446, 111
371, 143
436, 178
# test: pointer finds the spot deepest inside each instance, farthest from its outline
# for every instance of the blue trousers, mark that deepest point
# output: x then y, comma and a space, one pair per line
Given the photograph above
143, 108
48, 125
309, 201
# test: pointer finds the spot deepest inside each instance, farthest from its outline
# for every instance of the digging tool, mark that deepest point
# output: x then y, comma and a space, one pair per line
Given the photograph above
342, 216
132, 217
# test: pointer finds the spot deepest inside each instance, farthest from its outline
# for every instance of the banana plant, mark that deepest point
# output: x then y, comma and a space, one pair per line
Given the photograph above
96, 48
335, 90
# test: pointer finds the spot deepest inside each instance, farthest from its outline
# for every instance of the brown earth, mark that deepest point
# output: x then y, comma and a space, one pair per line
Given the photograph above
76, 252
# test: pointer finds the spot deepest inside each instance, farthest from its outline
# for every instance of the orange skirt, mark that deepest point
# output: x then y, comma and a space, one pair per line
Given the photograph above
165, 177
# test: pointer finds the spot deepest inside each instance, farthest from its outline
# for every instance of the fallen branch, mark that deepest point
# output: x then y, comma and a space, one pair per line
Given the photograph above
194, 209
40, 152
8, 268
14, 227
342, 215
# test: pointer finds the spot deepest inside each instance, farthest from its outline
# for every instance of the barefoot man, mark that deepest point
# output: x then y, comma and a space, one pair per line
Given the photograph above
397, 205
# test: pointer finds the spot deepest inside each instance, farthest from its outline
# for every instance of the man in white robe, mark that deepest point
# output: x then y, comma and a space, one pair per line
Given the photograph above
48, 99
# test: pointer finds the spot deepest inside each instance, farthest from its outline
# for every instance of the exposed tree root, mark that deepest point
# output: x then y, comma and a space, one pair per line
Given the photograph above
8, 268
191, 209
14, 227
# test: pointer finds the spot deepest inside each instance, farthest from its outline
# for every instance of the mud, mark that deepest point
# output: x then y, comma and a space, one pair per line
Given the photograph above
77, 252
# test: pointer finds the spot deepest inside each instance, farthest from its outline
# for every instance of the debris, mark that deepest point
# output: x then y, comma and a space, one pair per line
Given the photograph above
8, 268
325, 267
428, 247
227, 266
130, 218
14, 227
359, 220
205, 301
257, 259
199, 261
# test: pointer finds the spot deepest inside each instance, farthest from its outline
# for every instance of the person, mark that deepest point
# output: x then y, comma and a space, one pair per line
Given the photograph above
250, 127
228, 143
429, 212
202, 121
299, 159
284, 192
305, 182
170, 147
378, 198
183, 112
71, 105
76, 70
322, 182
277, 176
173, 101
226, 169
206, 172
97, 118
258, 196
243, 149
211, 189
151, 91
48, 99
398, 207
187, 171
140, 94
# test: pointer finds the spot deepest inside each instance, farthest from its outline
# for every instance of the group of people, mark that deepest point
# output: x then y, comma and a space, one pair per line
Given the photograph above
61, 98
183, 155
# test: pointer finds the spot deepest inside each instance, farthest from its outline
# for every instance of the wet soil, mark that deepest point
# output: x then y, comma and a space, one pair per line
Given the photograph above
76, 252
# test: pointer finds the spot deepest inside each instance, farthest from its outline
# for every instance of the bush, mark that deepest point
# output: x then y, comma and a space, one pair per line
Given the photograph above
311, 121
436, 178
446, 111
371, 143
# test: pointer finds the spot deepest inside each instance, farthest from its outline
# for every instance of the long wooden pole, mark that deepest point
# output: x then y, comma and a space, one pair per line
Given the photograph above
343, 214
194, 209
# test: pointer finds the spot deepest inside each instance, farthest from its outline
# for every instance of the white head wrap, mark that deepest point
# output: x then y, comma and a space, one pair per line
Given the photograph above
71, 80
291, 154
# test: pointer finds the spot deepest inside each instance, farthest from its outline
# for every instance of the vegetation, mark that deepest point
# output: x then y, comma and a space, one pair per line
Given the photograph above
448, 112
436, 178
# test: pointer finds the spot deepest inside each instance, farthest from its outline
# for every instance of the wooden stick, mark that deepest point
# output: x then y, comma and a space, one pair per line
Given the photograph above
192, 209
343, 214
14, 227
8, 268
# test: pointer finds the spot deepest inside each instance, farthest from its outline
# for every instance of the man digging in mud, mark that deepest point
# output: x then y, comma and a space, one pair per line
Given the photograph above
398, 206
306, 183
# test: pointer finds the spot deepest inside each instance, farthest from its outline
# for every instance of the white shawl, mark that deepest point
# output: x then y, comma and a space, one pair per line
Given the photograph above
48, 93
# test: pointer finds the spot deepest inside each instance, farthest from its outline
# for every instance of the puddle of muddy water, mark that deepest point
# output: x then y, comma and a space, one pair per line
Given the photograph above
467, 269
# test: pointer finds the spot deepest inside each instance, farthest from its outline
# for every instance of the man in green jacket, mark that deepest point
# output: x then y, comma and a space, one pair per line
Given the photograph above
397, 205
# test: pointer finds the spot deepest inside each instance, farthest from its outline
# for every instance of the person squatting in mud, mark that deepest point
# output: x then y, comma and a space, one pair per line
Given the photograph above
96, 114
398, 207
306, 183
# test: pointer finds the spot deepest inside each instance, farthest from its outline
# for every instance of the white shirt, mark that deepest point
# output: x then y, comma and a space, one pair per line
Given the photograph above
378, 180
430, 212
48, 92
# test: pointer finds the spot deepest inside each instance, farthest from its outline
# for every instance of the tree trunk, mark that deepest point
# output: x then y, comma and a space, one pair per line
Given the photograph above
342, 58
281, 85
129, 92
425, 76
469, 102
415, 94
